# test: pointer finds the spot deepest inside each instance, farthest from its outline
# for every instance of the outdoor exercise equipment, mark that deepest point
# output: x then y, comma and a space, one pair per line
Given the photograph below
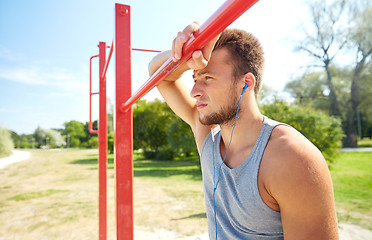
124, 100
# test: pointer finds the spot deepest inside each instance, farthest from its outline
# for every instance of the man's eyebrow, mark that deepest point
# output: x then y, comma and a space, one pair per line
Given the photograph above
200, 73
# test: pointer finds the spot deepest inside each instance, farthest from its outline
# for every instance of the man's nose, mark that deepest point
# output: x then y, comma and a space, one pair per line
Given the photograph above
196, 91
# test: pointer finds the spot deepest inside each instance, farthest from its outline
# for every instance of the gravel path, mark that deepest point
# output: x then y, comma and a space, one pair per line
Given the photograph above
17, 156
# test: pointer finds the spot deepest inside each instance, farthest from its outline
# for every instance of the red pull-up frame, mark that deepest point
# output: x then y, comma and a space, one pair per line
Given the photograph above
221, 19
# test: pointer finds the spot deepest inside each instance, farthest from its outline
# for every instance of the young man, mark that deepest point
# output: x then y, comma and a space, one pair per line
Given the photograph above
262, 179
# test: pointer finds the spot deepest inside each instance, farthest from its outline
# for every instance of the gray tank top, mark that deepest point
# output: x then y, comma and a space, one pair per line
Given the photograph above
241, 212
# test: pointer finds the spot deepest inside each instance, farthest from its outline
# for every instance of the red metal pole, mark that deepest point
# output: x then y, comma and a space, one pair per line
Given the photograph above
222, 18
90, 125
123, 125
102, 145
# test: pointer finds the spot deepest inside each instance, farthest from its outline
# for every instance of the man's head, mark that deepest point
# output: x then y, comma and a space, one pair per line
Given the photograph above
246, 54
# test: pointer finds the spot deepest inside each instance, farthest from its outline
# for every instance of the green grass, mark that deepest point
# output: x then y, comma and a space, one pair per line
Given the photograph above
365, 142
352, 180
34, 195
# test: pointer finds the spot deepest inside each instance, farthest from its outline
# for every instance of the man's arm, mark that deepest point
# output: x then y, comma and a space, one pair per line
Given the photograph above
174, 91
300, 182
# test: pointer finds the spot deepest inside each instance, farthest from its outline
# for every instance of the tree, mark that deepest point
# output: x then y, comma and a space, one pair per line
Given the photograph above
76, 132
334, 26
364, 113
361, 41
181, 138
6, 143
49, 137
325, 40
311, 89
150, 123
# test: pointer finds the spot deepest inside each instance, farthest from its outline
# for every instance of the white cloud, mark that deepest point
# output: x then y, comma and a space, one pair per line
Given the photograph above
35, 76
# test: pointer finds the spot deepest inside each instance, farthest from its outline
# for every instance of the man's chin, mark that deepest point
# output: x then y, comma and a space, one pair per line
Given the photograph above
205, 120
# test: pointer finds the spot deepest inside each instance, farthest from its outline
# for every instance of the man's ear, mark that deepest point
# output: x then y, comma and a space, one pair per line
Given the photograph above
250, 80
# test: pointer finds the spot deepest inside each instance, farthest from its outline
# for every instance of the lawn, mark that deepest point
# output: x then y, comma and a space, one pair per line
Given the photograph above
352, 180
53, 195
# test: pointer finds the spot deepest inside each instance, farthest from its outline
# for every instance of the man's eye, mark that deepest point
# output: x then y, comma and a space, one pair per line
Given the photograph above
208, 77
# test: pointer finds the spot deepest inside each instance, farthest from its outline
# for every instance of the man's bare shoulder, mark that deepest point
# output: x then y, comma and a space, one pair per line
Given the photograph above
297, 177
289, 147
290, 160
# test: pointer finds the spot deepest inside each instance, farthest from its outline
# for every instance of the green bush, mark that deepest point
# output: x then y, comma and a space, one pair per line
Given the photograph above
323, 131
165, 152
6, 143
110, 142
181, 137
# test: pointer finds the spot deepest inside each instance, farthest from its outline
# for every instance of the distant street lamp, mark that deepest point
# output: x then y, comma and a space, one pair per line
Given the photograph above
68, 141
47, 140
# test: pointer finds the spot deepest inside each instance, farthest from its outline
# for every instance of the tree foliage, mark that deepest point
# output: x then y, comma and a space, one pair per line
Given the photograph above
180, 137
76, 131
49, 137
334, 25
159, 133
322, 130
6, 143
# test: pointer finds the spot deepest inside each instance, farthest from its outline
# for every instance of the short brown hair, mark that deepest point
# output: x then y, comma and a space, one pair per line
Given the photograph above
246, 54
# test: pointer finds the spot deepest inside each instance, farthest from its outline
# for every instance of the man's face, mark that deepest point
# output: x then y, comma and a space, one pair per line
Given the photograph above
215, 90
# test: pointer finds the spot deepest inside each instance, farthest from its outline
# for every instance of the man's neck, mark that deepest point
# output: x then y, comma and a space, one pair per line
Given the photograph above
247, 129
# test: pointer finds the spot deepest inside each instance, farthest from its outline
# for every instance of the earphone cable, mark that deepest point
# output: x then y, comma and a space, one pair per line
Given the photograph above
215, 185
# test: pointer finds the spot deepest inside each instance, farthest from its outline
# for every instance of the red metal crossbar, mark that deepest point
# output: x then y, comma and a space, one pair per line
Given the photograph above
108, 60
221, 19
145, 50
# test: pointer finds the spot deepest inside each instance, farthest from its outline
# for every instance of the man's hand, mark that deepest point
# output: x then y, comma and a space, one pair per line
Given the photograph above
199, 58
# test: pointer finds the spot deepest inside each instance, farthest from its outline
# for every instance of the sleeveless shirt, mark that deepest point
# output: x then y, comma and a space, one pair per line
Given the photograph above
241, 212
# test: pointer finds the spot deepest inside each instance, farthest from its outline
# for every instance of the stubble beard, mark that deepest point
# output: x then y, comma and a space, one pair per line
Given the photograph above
225, 116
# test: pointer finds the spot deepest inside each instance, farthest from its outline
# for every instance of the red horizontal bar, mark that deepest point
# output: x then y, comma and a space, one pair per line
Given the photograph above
144, 50
108, 61
93, 131
221, 19
93, 93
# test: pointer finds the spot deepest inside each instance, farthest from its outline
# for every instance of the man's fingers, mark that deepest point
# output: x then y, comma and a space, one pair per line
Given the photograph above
191, 28
197, 61
182, 38
207, 50
172, 52
178, 45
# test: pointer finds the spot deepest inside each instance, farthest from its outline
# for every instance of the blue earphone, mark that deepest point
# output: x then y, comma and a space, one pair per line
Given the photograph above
245, 87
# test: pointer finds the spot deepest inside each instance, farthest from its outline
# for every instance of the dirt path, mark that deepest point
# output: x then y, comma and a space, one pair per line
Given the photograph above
17, 156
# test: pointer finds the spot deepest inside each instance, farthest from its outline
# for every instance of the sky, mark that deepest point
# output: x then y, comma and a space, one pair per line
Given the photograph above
45, 48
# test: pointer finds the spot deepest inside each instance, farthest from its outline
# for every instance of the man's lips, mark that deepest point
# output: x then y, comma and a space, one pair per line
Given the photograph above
201, 105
